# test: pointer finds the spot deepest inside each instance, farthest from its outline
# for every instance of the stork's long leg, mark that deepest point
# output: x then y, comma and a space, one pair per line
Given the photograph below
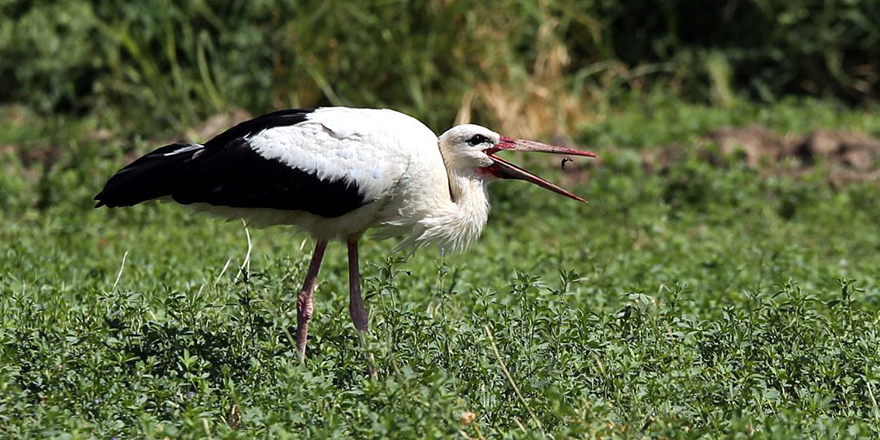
355, 302
304, 307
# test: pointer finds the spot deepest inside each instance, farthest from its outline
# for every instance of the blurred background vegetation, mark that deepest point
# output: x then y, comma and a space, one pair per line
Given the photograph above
526, 65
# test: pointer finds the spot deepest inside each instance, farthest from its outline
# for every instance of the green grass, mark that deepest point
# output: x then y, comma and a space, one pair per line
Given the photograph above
706, 302
652, 119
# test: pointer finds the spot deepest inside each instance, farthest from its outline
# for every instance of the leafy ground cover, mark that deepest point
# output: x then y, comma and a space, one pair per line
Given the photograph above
704, 300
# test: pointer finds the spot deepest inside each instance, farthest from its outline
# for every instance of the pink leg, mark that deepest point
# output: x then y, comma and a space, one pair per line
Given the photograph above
304, 307
355, 302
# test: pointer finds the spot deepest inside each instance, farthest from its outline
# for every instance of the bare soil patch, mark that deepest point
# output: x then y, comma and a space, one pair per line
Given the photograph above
849, 156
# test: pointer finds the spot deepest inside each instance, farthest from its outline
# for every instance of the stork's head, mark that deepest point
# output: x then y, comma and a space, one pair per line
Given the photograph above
471, 149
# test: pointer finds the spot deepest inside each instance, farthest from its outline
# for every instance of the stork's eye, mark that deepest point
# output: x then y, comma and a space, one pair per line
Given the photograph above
477, 139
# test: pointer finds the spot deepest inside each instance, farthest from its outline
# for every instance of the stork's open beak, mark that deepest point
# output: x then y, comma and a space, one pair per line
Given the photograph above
506, 170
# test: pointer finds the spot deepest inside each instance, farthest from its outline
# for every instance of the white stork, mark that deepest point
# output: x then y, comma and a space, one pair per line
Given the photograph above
334, 173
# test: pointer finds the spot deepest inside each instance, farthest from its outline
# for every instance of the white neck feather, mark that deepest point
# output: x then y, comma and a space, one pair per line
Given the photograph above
455, 224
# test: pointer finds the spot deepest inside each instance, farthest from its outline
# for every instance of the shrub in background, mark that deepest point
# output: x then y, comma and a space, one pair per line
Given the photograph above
176, 62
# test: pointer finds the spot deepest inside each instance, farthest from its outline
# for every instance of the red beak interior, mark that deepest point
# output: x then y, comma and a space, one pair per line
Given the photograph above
506, 170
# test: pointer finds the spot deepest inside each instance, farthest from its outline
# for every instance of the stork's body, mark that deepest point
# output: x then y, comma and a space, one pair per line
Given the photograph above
334, 173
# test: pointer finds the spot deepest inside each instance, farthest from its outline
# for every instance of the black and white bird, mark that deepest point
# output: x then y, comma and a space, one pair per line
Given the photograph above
334, 173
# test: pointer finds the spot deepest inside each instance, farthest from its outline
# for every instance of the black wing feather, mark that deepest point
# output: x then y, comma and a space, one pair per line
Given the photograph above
280, 118
149, 177
228, 172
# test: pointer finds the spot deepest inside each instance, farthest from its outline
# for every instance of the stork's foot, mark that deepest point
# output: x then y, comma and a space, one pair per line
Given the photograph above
368, 356
361, 324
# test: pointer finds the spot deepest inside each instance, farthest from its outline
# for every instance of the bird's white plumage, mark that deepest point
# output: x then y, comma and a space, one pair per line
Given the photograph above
349, 145
395, 162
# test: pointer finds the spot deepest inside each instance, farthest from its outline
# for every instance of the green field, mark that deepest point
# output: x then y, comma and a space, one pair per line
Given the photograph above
722, 282
700, 299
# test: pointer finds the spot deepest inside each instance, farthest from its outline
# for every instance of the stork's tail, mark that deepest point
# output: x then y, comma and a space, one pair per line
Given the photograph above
154, 175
